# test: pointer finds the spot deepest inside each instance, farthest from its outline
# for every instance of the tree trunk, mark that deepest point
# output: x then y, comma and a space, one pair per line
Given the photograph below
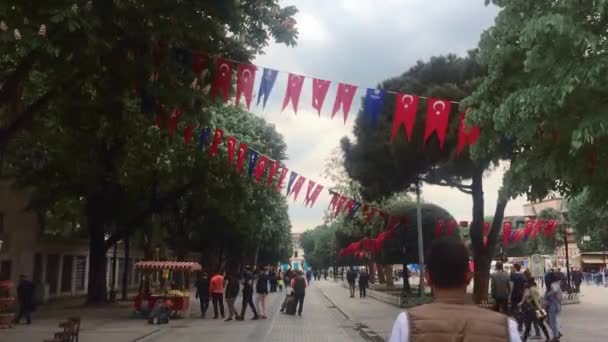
97, 285
381, 278
125, 271
388, 275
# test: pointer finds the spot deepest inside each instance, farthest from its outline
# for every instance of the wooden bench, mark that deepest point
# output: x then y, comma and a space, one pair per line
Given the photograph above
70, 333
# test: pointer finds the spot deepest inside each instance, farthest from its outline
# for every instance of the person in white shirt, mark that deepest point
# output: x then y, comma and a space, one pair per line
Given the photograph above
448, 318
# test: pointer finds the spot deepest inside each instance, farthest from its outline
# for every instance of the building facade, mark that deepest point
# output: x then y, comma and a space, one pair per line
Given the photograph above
297, 256
59, 266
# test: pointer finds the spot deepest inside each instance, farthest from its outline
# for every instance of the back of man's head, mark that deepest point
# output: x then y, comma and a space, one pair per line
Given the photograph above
499, 266
448, 263
517, 267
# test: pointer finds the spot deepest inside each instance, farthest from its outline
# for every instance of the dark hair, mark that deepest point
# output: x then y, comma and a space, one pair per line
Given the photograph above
499, 266
517, 267
448, 262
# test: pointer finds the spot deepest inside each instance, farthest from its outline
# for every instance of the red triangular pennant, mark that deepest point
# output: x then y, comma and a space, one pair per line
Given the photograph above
339, 205
188, 133
334, 200
231, 147
439, 228
437, 117
260, 167
370, 215
315, 195
200, 62
405, 114
466, 135
309, 189
244, 83
221, 81
273, 170
294, 88
242, 155
344, 99
319, 91
296, 187
173, 120
282, 176
217, 139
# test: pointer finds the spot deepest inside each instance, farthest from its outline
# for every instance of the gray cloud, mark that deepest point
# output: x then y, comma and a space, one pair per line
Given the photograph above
364, 42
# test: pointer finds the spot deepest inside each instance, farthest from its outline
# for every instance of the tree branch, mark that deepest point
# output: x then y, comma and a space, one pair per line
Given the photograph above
10, 88
467, 189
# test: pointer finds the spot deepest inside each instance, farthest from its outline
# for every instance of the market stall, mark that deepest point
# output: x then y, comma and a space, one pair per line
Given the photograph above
159, 283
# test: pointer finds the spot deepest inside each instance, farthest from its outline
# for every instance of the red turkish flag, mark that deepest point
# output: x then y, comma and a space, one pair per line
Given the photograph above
260, 167
244, 83
188, 135
437, 117
296, 187
344, 98
242, 155
506, 232
309, 188
173, 120
349, 206
393, 222
217, 139
529, 228
222, 78
451, 226
200, 62
315, 195
282, 176
339, 205
439, 228
334, 200
231, 142
294, 88
466, 135
405, 114
319, 91
273, 171
486, 228
538, 227
370, 215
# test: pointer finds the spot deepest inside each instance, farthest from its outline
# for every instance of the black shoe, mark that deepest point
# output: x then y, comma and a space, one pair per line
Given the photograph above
215, 317
255, 318
228, 319
239, 318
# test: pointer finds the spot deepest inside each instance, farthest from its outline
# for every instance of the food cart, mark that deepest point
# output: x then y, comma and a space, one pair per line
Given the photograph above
157, 283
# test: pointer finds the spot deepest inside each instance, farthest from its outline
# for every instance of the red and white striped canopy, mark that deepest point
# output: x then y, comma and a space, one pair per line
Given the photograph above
168, 265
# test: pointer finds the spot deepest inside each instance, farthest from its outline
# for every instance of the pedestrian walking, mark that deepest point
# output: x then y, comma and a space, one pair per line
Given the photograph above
280, 283
232, 291
299, 284
553, 303
247, 295
518, 283
577, 279
272, 279
25, 297
202, 292
501, 289
216, 287
351, 277
363, 282
309, 276
448, 318
531, 308
261, 288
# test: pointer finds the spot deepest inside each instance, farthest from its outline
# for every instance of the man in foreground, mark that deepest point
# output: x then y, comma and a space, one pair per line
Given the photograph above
448, 318
298, 284
501, 289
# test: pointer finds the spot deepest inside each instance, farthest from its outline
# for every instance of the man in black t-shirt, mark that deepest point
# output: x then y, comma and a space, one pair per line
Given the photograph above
518, 282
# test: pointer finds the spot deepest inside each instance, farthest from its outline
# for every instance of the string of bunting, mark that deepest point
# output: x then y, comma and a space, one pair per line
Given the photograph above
406, 105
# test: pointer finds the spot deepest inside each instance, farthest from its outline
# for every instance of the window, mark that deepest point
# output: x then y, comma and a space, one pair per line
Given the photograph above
81, 266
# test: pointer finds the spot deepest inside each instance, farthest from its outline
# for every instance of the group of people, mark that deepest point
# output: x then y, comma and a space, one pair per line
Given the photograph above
227, 286
521, 291
351, 278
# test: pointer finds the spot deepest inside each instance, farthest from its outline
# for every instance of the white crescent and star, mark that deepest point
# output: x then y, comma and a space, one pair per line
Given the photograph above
404, 99
442, 105
222, 66
246, 74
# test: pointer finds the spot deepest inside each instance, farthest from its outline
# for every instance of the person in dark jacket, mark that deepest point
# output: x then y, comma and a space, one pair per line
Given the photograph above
272, 279
25, 297
363, 282
298, 284
351, 277
577, 279
202, 292
231, 292
518, 282
247, 295
261, 288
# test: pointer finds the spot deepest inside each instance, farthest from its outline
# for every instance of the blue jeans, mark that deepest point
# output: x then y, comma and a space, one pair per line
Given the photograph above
553, 313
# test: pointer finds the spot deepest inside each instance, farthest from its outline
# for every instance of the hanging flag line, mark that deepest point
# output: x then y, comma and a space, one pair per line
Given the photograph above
258, 163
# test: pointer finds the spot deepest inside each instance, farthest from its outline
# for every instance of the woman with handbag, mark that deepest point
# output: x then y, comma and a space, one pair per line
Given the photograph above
532, 309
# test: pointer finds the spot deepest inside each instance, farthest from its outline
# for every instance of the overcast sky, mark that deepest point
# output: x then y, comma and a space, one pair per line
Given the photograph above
363, 42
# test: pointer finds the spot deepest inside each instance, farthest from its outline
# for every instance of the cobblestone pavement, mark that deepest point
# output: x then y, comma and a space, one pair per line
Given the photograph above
584, 322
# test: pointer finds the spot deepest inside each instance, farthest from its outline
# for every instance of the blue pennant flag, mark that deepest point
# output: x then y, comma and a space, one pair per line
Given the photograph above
204, 140
354, 210
292, 178
374, 98
253, 158
268, 78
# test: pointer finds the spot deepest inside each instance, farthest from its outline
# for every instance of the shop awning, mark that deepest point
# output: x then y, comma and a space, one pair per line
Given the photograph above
168, 265
592, 260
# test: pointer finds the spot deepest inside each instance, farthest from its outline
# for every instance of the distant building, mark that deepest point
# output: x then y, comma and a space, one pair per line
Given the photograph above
297, 256
531, 211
